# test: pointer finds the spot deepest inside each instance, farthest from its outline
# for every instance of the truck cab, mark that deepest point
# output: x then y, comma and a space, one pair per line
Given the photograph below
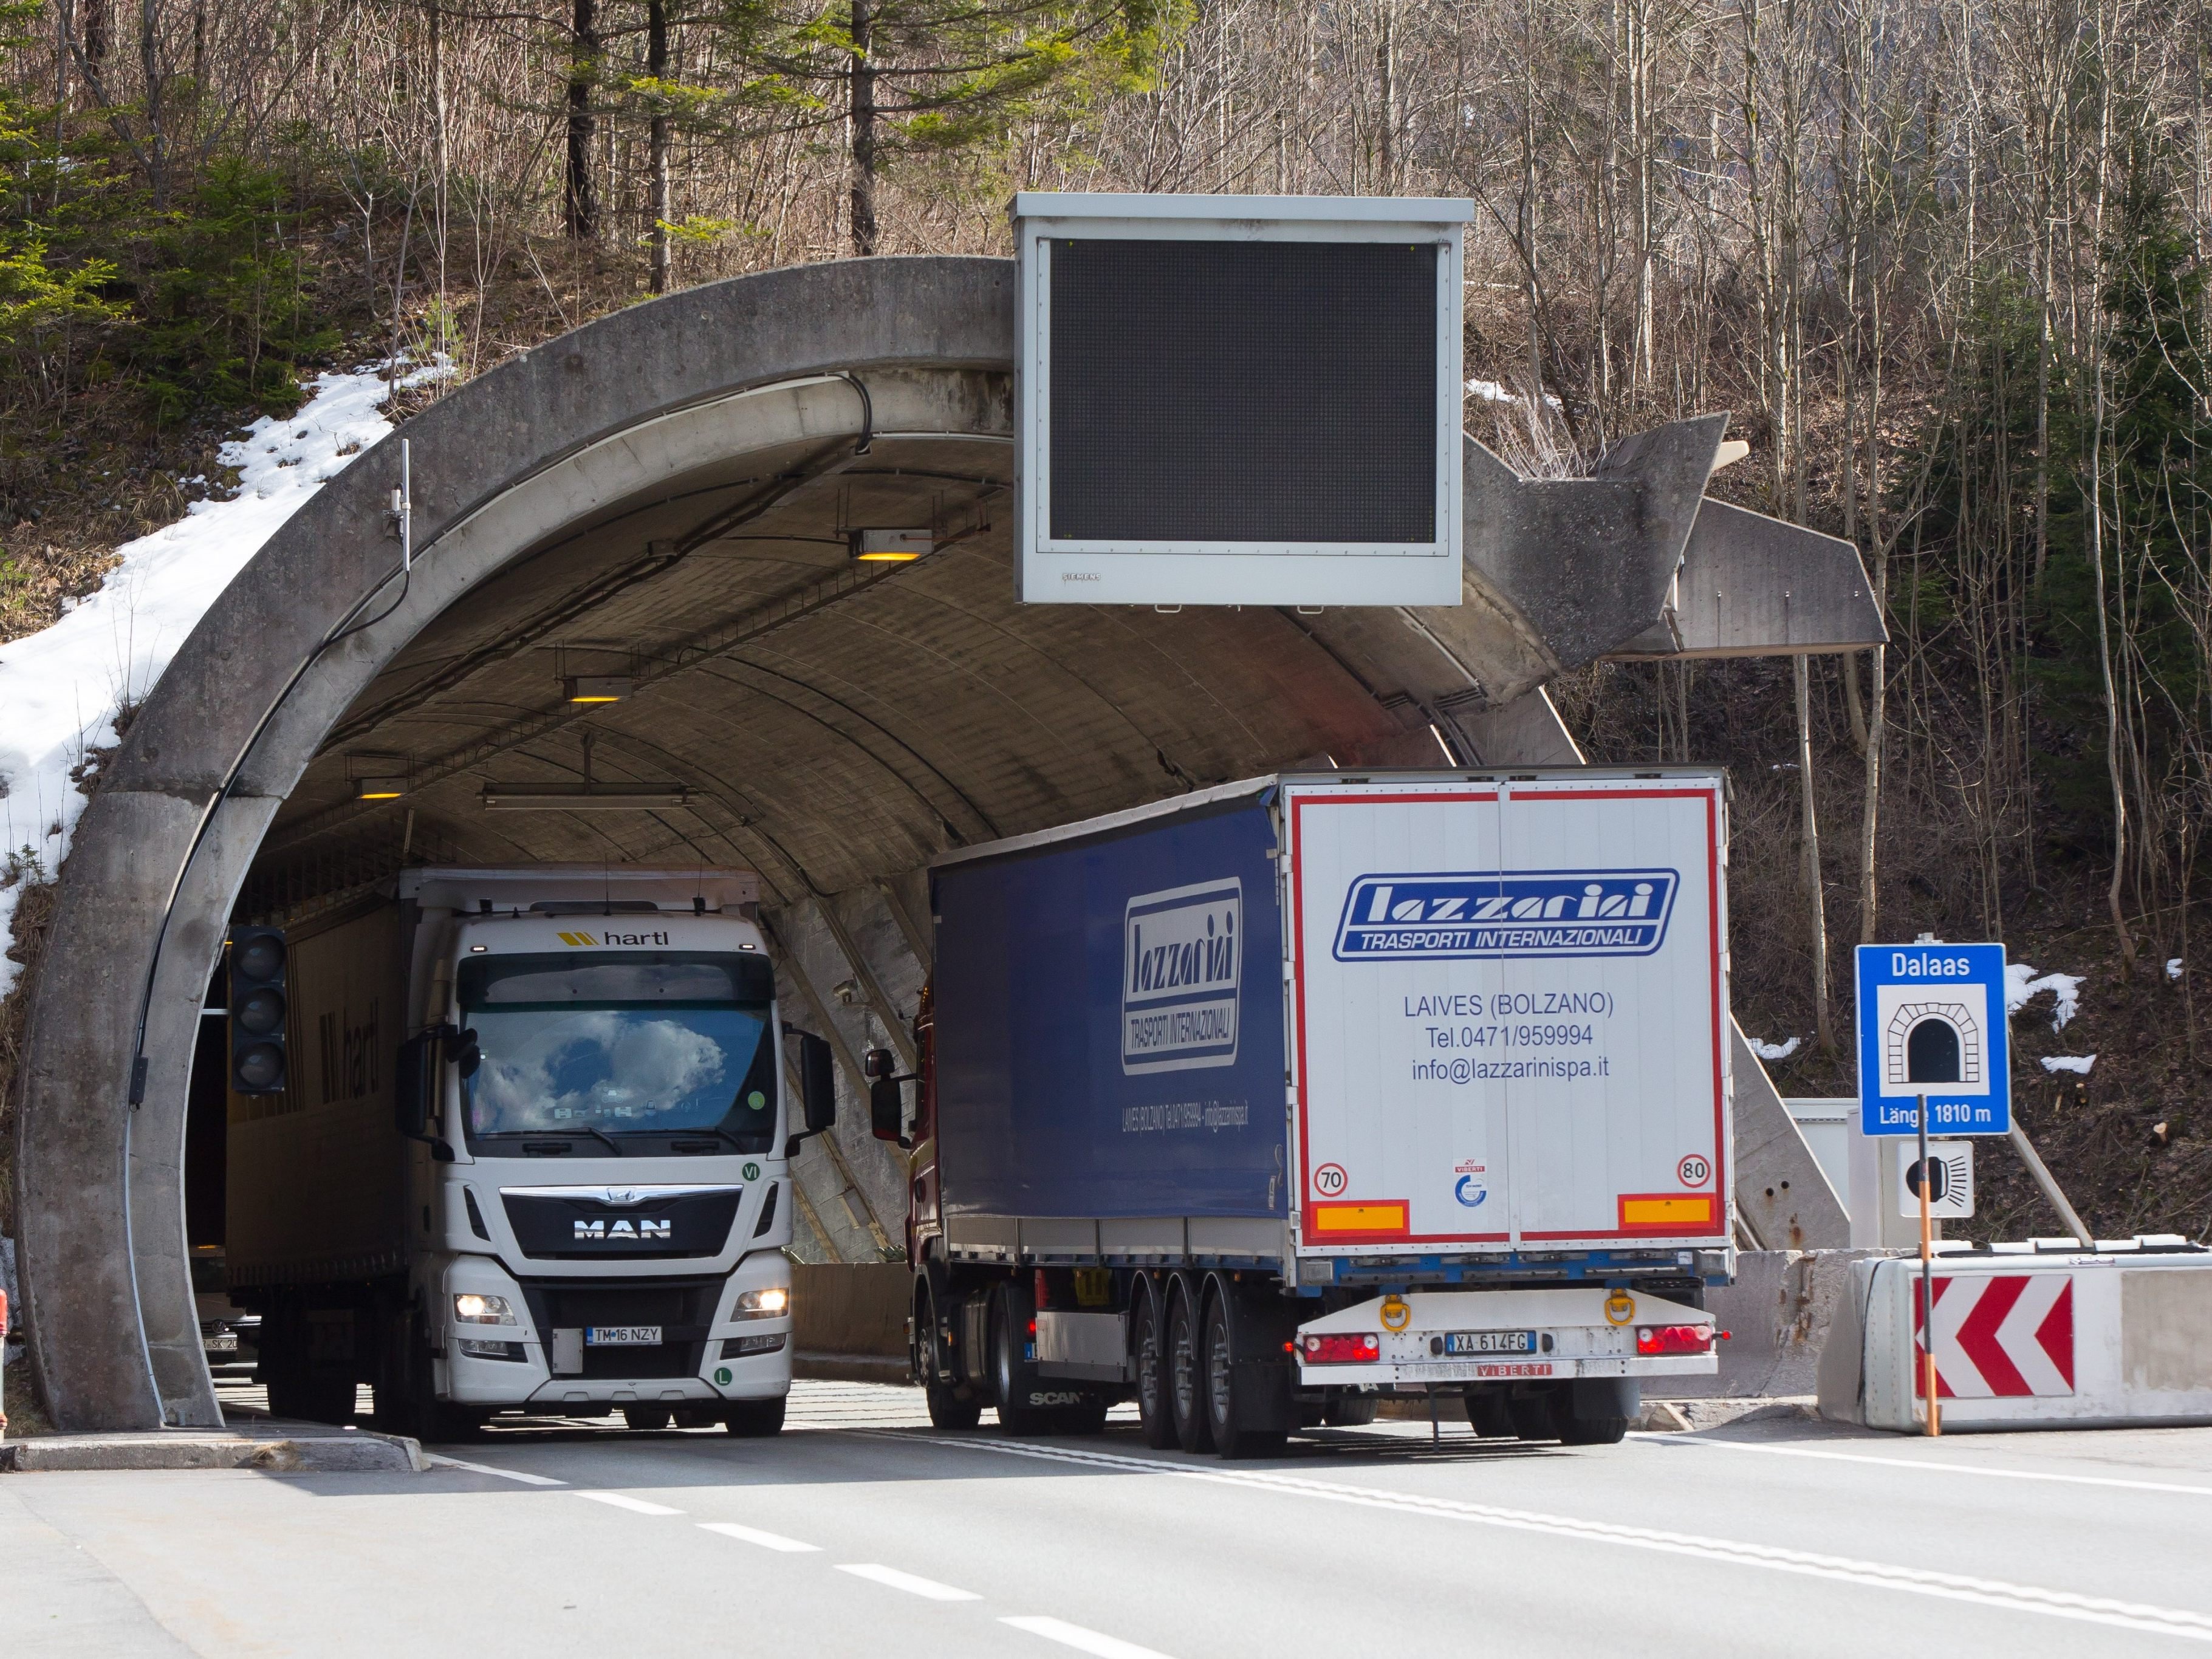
595, 1108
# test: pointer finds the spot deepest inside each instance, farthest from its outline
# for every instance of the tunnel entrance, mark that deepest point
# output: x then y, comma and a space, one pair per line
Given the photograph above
642, 629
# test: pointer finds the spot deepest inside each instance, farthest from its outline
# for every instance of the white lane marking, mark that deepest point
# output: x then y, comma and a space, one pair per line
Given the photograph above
1879, 1574
443, 1462
767, 1540
1085, 1641
1943, 1465
906, 1581
636, 1505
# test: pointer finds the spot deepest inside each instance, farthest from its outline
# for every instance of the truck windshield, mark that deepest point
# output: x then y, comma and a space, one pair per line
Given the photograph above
656, 1043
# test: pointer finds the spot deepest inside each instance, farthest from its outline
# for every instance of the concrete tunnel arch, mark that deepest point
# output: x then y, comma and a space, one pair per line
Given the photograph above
681, 471
666, 492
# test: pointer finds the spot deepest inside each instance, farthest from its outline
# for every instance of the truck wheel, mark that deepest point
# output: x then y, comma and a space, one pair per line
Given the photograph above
1187, 1371
1531, 1415
1013, 1377
1350, 1411
649, 1420
1226, 1410
1486, 1413
1149, 1348
950, 1406
754, 1419
1589, 1412
947, 1410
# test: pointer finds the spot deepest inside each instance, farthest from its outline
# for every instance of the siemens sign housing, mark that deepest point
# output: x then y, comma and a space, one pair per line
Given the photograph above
1505, 914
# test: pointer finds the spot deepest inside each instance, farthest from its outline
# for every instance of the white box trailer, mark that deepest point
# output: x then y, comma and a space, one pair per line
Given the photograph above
1353, 1082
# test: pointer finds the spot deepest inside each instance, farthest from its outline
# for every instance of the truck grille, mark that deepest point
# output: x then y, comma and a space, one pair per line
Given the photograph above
571, 1226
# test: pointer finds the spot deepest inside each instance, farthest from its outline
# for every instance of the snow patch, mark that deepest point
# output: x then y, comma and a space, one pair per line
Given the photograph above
2022, 984
63, 687
1772, 1050
2173, 967
2077, 1064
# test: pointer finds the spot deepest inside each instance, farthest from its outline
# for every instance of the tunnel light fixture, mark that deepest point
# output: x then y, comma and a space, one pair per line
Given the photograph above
597, 688
378, 788
892, 546
582, 798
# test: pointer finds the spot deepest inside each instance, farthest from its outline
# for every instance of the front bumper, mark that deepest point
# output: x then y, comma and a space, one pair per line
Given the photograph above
707, 1377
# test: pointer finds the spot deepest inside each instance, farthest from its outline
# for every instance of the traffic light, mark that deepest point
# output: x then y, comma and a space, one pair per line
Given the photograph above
257, 1008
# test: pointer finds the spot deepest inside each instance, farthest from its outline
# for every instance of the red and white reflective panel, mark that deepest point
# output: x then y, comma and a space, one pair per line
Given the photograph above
1998, 1336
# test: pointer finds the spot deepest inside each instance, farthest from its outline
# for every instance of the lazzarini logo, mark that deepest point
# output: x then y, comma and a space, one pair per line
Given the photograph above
1422, 917
1182, 957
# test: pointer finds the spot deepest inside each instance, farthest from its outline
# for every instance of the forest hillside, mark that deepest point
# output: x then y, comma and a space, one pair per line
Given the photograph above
1944, 262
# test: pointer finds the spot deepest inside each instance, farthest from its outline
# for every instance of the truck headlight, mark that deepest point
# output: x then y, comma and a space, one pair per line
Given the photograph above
764, 1303
471, 1309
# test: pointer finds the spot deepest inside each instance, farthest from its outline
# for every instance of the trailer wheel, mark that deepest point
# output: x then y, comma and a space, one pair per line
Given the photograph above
1187, 1369
1594, 1410
1228, 1409
1149, 1348
754, 1419
1350, 1411
1486, 1413
1531, 1415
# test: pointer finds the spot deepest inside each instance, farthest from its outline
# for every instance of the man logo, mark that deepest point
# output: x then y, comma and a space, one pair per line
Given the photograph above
1507, 914
643, 1231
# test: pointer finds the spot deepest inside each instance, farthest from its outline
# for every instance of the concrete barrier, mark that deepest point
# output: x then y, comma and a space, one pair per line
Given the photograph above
848, 1322
2036, 1335
1777, 1314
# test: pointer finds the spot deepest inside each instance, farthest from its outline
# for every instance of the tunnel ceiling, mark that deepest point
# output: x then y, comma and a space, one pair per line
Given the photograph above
832, 720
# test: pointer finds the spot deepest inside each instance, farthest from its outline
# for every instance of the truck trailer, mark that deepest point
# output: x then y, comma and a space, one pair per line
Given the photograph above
521, 1145
1263, 1103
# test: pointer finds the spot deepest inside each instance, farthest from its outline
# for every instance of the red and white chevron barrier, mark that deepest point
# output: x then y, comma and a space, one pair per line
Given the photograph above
2000, 1336
2025, 1336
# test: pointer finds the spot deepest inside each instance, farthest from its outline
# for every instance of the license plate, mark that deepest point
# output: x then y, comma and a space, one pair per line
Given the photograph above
1491, 1342
622, 1336
222, 1342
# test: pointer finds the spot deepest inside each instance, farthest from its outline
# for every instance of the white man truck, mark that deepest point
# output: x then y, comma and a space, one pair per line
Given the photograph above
1263, 1103
517, 1140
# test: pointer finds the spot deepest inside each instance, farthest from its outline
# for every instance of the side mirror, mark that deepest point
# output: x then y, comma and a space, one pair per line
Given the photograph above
887, 1111
879, 1063
467, 1055
817, 1082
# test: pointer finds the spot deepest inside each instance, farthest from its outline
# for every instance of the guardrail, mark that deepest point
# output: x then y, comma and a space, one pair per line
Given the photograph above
2039, 1334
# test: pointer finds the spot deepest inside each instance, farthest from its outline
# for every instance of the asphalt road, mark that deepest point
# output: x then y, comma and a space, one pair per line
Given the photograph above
859, 1532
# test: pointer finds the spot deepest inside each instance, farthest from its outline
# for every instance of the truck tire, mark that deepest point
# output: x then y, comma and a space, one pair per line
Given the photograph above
1531, 1415
754, 1419
1148, 1350
1186, 1368
1350, 1411
1486, 1414
952, 1407
1229, 1387
1595, 1411
648, 1419
1013, 1378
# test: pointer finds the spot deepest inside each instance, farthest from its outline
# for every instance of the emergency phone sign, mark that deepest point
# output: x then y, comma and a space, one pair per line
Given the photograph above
1932, 1024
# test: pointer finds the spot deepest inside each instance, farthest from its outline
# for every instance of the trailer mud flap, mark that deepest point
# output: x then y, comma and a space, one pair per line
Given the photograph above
1261, 1327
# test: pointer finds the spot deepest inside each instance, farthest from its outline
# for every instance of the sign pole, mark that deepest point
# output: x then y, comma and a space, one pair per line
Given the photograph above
1927, 1282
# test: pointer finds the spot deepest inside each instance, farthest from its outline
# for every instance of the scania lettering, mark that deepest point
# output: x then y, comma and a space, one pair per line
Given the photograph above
538, 1162
1419, 1088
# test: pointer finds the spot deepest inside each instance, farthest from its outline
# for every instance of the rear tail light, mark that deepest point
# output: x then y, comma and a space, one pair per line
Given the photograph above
1363, 1348
1674, 1339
